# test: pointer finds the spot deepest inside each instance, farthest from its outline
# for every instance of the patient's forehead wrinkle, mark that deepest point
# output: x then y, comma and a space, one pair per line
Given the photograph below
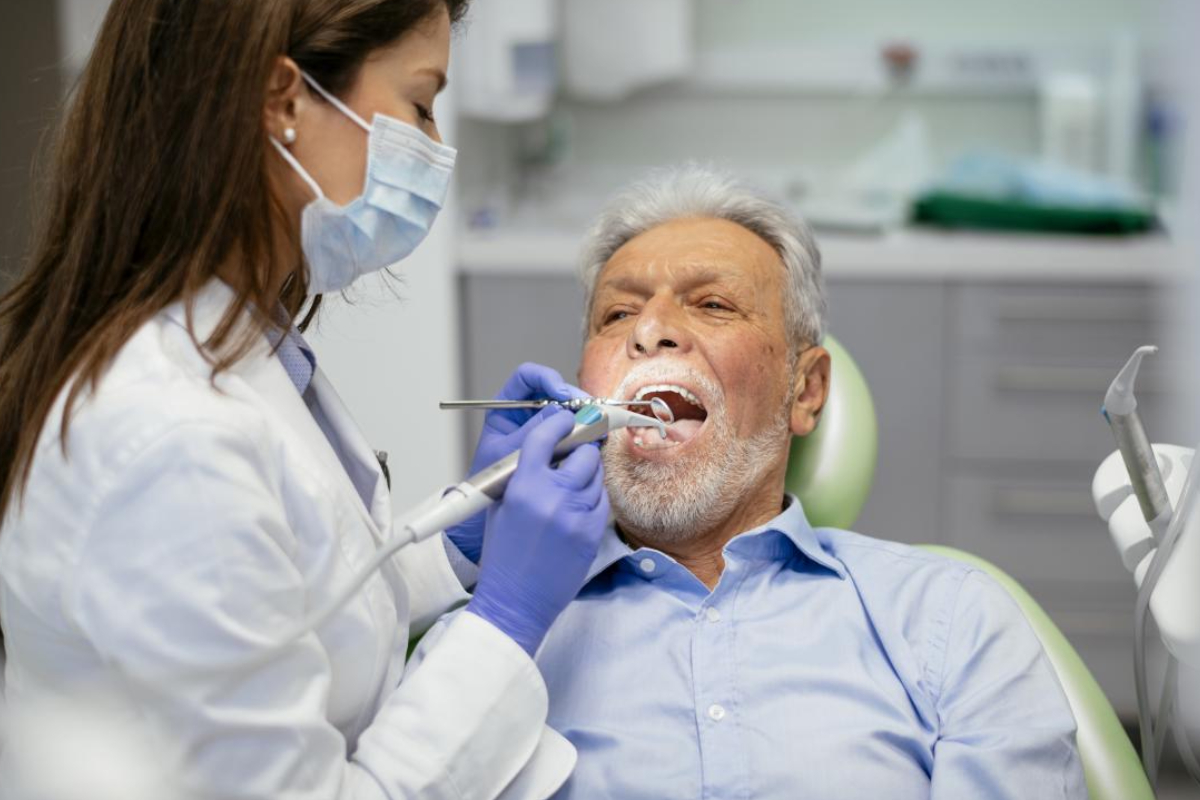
682, 275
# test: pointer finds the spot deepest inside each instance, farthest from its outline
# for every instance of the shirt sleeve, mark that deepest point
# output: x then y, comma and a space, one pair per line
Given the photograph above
189, 566
1006, 729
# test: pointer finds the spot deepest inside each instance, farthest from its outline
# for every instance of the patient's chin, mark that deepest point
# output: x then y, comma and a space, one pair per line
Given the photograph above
687, 490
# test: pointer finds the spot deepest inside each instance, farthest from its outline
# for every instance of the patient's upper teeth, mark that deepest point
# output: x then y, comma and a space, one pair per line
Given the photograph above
669, 387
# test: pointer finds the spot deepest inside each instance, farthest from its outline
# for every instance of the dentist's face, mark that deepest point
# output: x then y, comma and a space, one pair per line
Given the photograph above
695, 305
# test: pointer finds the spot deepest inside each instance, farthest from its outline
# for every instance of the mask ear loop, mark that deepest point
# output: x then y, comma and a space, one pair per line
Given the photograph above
338, 104
301, 171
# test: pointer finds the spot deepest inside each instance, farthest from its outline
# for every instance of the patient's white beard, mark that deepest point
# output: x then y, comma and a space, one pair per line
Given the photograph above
668, 503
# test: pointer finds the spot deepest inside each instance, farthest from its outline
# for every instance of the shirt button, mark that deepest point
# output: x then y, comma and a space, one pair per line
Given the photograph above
716, 712
647, 565
713, 614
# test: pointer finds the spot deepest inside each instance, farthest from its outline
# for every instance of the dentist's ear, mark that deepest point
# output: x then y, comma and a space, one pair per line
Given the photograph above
810, 389
284, 95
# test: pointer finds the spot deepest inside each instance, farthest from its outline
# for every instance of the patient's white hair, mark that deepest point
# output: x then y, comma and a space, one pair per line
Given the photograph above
693, 190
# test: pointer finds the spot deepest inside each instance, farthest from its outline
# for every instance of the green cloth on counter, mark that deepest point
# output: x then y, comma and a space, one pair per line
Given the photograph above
953, 210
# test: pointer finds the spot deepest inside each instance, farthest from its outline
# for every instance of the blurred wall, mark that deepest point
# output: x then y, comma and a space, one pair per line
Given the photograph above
721, 22
799, 139
30, 89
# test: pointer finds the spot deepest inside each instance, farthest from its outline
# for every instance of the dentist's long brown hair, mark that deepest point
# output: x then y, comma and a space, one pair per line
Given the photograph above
157, 176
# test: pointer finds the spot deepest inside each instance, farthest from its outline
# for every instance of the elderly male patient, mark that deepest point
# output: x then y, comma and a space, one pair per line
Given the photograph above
723, 647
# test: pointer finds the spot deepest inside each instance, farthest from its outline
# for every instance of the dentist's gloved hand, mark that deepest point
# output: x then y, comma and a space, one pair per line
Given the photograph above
542, 536
503, 432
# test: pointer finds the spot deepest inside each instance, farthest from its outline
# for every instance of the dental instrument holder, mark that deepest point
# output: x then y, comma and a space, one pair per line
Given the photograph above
445, 509
1166, 526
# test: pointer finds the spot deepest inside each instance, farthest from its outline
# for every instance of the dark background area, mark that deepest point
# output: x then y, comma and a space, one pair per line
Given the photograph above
31, 89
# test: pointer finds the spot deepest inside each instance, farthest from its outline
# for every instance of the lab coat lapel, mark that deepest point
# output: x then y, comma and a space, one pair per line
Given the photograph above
265, 376
355, 447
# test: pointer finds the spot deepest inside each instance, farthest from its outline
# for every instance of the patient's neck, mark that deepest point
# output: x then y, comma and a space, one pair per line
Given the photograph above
702, 551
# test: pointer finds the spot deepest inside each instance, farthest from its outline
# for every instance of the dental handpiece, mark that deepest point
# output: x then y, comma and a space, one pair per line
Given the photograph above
1120, 409
657, 405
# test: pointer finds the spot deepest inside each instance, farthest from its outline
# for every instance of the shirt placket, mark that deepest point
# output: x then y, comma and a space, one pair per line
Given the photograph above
715, 691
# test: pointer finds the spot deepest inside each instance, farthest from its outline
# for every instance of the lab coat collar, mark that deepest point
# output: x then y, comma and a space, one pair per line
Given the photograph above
264, 375
791, 523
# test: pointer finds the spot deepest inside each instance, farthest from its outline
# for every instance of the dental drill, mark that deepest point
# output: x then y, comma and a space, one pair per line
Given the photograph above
454, 505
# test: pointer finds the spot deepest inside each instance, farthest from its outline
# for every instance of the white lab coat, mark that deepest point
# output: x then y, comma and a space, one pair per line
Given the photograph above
190, 524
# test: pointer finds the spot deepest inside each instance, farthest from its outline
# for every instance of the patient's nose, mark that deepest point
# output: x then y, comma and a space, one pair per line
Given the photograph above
658, 329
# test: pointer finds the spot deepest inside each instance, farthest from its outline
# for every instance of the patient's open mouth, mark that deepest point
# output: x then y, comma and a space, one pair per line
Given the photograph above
688, 409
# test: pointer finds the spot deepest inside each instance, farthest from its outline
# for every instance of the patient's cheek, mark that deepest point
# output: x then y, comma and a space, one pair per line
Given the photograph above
598, 369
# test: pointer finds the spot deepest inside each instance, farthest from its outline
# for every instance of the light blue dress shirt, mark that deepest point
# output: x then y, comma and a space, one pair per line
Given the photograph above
825, 664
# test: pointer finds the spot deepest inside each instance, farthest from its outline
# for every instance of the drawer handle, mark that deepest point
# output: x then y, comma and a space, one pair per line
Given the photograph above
1043, 503
1066, 379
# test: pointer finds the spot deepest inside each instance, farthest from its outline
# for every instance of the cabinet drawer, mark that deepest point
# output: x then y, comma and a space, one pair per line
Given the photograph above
1063, 322
1045, 533
1042, 411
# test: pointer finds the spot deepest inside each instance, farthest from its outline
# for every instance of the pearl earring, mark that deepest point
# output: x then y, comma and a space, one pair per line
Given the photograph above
289, 135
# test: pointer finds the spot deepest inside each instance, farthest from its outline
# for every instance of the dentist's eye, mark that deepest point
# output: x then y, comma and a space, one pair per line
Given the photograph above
424, 112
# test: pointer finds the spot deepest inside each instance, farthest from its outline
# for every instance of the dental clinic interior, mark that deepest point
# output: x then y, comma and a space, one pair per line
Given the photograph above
996, 190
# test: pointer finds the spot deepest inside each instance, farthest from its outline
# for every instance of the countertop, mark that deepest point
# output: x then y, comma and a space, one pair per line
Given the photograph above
906, 254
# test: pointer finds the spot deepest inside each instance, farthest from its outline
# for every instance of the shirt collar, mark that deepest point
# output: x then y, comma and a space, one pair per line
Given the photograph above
294, 353
791, 523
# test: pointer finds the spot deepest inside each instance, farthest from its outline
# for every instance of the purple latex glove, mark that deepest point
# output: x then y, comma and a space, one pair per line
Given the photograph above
503, 432
542, 536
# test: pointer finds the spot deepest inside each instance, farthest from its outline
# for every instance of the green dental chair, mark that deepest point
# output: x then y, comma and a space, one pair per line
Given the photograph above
831, 472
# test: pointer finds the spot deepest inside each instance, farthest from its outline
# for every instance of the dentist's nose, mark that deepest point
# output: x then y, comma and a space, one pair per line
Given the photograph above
657, 329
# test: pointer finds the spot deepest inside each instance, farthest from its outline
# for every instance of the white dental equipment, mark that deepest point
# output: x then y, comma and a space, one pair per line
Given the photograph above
457, 504
1132, 491
1120, 409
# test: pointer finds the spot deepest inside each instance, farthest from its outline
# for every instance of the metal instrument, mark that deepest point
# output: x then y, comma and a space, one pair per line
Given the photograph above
657, 405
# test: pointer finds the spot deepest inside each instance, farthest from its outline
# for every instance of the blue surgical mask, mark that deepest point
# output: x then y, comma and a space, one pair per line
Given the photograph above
408, 177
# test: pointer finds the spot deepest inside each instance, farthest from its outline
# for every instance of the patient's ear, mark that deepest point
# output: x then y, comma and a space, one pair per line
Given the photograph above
810, 390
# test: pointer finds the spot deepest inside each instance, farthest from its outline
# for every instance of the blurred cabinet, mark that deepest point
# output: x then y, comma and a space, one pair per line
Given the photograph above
988, 395
1027, 366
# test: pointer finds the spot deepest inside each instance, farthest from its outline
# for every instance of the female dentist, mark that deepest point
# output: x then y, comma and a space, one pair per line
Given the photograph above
180, 484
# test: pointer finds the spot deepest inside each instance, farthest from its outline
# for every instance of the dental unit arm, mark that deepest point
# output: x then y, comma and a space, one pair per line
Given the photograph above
454, 505
1147, 495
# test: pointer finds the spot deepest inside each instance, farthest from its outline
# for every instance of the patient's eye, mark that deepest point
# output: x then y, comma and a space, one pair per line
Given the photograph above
615, 316
713, 304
